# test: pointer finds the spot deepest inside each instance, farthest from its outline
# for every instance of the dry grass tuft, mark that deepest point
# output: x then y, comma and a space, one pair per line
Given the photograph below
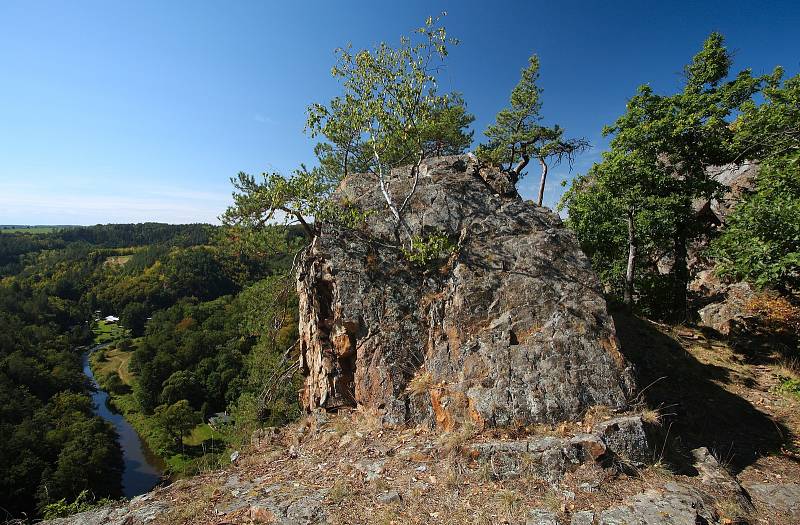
420, 384
731, 510
509, 501
651, 416
453, 442
788, 368
776, 312
338, 492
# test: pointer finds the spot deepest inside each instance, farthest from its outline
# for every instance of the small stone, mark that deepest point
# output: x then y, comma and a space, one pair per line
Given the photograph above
234, 456
389, 497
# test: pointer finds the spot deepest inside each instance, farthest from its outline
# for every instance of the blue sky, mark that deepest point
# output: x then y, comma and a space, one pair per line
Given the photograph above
134, 111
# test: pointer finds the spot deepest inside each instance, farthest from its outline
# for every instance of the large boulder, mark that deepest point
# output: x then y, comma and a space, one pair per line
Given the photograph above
508, 328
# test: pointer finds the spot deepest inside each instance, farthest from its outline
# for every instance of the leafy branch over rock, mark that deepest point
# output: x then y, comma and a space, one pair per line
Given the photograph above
390, 114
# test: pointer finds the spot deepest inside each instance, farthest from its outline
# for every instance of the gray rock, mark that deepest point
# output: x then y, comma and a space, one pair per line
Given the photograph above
626, 438
541, 517
549, 458
737, 181
715, 475
731, 310
674, 505
778, 497
389, 497
584, 517
116, 514
511, 328
372, 470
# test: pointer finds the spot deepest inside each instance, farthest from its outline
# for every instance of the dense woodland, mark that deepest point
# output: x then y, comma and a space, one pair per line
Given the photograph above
211, 318
202, 343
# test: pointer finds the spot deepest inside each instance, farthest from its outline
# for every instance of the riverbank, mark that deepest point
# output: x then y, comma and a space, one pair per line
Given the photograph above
142, 469
202, 448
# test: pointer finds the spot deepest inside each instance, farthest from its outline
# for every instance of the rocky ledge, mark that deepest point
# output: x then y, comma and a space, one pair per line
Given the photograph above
349, 469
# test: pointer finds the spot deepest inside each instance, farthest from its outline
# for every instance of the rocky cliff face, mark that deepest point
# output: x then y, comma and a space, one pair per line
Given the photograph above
508, 328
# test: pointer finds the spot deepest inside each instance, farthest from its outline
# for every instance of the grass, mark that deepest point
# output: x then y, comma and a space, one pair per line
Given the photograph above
107, 332
115, 360
201, 433
790, 386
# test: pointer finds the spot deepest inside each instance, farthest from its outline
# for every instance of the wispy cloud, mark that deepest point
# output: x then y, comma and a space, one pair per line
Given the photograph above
258, 117
25, 205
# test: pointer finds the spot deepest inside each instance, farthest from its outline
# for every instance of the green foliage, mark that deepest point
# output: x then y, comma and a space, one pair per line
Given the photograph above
657, 166
517, 135
771, 129
194, 349
177, 420
429, 249
83, 502
761, 242
389, 114
789, 386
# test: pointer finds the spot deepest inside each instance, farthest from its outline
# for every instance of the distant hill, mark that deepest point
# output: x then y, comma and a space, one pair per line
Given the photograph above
33, 228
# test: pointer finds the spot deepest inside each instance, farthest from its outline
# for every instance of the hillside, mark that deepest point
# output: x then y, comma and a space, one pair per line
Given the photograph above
346, 469
491, 384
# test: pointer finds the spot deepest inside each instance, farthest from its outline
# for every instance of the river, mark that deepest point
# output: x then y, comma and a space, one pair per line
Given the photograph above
142, 468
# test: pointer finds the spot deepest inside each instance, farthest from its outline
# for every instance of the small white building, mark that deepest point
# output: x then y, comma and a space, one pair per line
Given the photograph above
111, 319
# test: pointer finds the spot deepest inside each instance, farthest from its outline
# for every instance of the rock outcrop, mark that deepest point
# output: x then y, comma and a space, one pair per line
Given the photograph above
721, 305
508, 328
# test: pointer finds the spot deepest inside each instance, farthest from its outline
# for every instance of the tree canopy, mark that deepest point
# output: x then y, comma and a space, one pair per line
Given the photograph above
657, 166
390, 113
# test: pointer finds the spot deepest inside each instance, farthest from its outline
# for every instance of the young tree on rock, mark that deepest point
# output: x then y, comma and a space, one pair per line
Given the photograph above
517, 136
389, 115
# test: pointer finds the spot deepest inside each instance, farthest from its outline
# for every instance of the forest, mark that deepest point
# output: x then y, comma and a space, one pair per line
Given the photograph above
193, 312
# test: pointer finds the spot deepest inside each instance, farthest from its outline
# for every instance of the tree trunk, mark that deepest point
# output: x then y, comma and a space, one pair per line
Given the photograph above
542, 181
680, 275
630, 272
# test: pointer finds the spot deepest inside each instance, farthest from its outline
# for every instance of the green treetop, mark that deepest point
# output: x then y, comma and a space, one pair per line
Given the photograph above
389, 114
661, 150
517, 135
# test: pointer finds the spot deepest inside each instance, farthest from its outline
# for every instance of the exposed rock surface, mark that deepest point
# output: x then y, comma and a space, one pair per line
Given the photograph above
140, 510
730, 307
621, 440
723, 304
783, 498
511, 328
737, 181
675, 504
